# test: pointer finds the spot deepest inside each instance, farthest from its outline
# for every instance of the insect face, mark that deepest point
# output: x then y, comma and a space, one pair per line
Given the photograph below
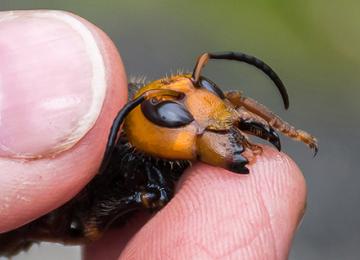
199, 124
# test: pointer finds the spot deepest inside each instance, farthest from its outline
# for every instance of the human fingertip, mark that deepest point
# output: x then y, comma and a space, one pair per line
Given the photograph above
59, 69
62, 83
224, 215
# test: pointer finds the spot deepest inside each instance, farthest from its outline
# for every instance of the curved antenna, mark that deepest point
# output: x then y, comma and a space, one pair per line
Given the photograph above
119, 119
242, 57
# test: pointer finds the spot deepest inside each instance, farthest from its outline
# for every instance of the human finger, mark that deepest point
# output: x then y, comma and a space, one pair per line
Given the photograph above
61, 84
220, 215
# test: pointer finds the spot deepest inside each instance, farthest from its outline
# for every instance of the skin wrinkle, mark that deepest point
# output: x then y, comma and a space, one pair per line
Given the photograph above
250, 241
268, 221
188, 202
276, 187
189, 193
245, 245
262, 204
191, 198
181, 243
226, 218
205, 250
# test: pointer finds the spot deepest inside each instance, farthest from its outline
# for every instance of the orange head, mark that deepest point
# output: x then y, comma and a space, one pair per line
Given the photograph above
187, 117
182, 127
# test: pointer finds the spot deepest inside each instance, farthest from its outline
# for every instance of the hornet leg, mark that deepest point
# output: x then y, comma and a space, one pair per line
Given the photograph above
238, 100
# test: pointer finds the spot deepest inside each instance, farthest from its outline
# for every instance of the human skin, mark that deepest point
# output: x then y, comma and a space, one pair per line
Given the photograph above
61, 84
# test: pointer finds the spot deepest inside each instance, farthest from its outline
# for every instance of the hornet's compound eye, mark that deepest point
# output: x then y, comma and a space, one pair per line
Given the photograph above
211, 86
166, 113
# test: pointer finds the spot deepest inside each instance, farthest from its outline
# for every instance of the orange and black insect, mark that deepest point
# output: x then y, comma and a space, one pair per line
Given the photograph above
167, 124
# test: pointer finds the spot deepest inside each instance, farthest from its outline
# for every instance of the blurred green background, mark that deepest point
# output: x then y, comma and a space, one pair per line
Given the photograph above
313, 45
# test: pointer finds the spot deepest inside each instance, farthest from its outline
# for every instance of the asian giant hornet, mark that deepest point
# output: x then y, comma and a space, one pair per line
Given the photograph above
167, 124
